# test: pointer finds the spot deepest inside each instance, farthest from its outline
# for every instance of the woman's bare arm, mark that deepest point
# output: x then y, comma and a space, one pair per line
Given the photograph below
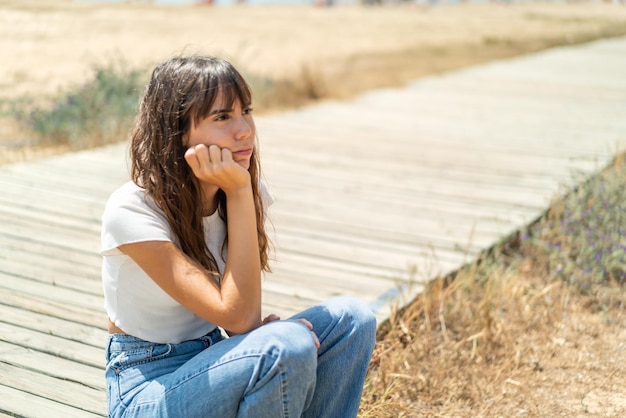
236, 304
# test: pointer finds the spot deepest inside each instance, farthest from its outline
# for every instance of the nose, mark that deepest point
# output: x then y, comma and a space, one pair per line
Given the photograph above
245, 128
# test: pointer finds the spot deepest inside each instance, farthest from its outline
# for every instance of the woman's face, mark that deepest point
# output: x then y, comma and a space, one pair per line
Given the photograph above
230, 127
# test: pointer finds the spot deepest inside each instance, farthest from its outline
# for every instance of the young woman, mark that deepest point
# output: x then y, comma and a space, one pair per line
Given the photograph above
183, 249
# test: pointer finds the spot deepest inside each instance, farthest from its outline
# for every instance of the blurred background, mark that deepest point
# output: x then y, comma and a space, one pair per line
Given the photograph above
71, 71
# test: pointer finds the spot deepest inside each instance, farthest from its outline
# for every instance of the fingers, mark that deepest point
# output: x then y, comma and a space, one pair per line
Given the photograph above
202, 156
226, 155
193, 157
305, 322
219, 155
310, 327
270, 318
216, 166
315, 339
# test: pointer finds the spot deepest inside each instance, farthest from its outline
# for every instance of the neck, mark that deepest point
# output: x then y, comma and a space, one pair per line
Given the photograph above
209, 199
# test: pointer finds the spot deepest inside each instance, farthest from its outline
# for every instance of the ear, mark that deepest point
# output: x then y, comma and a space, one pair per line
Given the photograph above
186, 136
187, 128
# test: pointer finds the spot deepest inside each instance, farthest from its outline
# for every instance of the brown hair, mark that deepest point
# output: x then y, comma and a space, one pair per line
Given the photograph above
182, 90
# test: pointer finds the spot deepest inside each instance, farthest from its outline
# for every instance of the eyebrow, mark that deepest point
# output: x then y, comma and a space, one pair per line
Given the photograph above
218, 111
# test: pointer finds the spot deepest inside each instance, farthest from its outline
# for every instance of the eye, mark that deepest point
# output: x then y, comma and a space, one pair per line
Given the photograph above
247, 111
221, 116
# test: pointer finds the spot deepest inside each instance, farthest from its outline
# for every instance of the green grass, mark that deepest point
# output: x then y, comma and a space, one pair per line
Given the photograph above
97, 112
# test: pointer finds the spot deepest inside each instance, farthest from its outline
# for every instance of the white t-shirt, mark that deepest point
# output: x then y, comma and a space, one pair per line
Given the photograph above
132, 300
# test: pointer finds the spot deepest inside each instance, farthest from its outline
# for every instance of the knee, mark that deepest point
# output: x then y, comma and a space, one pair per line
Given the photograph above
356, 315
293, 346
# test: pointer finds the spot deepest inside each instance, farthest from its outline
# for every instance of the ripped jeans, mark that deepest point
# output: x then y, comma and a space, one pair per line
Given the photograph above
273, 371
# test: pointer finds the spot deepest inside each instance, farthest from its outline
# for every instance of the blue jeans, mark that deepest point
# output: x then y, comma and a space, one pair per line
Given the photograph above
273, 371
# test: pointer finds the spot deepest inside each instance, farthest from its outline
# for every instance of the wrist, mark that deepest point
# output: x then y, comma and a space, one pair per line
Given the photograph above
242, 191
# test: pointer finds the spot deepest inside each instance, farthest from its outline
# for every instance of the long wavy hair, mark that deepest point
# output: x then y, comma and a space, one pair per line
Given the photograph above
182, 90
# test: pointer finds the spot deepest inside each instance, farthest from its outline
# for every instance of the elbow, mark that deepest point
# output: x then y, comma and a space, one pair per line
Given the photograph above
241, 321
242, 327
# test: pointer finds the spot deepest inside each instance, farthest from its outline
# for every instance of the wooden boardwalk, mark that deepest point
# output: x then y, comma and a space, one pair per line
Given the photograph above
373, 196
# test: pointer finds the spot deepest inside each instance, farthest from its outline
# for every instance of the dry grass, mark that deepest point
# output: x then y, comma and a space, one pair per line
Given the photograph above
511, 334
523, 346
45, 45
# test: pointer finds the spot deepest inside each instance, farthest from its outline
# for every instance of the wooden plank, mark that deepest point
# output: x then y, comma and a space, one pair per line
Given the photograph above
317, 290
501, 194
344, 165
37, 231
46, 291
363, 258
28, 405
67, 393
434, 143
82, 260
447, 238
49, 344
69, 330
53, 191
60, 275
9, 206
394, 235
49, 365
88, 316
284, 305
18, 249
423, 207
82, 182
321, 286
428, 227
55, 194
51, 187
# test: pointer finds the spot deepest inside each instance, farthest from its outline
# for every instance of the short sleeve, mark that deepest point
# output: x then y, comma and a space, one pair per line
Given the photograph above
131, 217
266, 196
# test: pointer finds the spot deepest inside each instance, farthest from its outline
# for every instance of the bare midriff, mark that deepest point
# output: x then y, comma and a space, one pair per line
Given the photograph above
113, 329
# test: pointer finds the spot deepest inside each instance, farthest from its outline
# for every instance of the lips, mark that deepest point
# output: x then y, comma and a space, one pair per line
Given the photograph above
244, 152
